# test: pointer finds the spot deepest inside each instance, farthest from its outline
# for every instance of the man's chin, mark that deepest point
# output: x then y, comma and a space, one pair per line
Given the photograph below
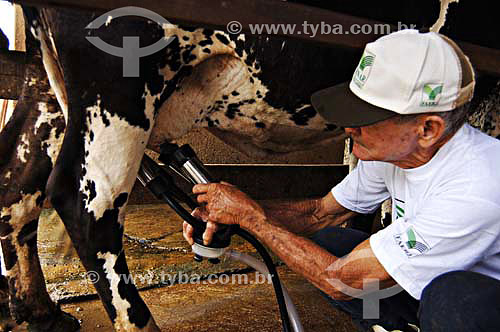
364, 158
360, 152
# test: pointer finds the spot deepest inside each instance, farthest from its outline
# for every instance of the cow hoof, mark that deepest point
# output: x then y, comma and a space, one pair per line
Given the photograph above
64, 322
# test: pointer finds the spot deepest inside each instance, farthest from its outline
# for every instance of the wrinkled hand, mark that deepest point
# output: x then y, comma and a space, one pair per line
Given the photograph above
188, 230
226, 204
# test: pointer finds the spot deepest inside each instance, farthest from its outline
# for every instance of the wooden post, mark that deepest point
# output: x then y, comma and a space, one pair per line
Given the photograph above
3, 115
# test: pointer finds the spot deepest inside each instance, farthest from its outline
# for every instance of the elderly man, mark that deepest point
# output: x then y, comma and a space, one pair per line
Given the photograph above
405, 110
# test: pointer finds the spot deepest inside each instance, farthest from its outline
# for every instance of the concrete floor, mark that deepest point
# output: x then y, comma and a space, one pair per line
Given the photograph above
205, 306
216, 307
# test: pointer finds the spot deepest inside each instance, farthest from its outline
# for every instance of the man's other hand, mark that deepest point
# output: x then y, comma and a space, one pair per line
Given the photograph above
188, 230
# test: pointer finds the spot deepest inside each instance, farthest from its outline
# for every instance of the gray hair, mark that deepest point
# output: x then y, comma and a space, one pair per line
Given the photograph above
453, 119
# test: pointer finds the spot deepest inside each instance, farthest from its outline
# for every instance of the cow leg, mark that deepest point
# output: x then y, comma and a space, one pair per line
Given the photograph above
30, 144
93, 209
109, 124
29, 300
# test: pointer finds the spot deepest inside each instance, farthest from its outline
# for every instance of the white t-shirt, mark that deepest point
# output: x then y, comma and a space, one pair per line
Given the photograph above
446, 213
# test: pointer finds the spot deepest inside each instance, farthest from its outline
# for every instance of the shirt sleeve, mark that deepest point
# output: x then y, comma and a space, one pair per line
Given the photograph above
364, 189
451, 232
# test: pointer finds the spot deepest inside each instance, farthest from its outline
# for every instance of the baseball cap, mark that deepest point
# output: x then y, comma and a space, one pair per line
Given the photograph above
405, 72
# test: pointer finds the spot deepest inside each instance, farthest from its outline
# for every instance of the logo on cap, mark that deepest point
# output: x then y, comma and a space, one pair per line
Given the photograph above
364, 68
431, 94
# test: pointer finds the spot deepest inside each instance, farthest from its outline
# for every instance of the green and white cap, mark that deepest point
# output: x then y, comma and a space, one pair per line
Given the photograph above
406, 72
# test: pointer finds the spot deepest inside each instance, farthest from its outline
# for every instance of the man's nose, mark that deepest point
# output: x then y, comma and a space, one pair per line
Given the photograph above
352, 131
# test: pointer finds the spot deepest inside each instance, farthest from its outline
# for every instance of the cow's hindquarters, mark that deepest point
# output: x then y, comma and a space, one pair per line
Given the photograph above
30, 144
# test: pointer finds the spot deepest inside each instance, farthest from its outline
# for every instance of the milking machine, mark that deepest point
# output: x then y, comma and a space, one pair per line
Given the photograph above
184, 162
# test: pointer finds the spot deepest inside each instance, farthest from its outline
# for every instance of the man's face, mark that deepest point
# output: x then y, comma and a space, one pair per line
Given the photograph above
390, 140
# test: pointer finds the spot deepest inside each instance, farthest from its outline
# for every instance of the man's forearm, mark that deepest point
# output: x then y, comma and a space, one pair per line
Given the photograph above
294, 215
320, 267
302, 217
228, 205
299, 253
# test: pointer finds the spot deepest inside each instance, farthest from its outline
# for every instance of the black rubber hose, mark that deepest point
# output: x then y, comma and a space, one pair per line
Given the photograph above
256, 244
157, 186
182, 212
274, 275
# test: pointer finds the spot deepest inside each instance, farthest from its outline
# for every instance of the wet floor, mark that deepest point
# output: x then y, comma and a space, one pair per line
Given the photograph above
201, 296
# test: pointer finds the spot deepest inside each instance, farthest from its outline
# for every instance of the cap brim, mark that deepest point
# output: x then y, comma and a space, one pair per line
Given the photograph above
343, 108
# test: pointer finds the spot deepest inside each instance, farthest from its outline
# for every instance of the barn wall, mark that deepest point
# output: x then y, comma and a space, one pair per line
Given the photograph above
212, 150
313, 182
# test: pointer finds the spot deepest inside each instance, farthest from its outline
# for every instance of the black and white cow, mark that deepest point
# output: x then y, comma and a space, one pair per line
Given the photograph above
251, 91
29, 146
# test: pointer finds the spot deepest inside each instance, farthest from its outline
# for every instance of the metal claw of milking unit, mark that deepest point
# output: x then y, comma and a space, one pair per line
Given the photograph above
185, 159
184, 162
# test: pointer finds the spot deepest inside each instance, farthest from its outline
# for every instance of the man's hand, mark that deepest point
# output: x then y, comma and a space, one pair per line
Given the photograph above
188, 230
226, 204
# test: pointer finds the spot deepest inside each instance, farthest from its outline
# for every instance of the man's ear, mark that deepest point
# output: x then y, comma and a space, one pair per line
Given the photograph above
431, 130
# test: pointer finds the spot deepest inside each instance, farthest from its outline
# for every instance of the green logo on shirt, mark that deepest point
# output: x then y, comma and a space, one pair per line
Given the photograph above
412, 239
400, 212
411, 242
